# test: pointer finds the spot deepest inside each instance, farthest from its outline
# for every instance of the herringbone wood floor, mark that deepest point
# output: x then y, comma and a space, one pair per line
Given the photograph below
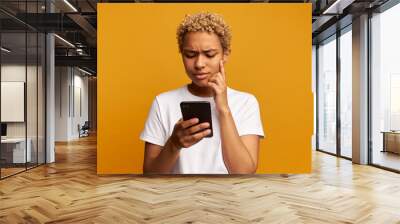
69, 191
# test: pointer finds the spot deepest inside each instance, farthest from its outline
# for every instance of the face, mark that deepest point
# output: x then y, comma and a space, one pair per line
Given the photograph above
201, 54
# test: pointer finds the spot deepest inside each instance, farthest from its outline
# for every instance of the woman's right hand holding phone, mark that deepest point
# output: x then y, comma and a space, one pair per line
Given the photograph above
187, 133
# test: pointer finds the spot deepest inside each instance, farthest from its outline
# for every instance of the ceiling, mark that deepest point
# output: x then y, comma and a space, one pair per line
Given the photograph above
76, 22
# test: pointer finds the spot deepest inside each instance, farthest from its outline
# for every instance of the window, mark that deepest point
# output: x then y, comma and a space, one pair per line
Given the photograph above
327, 95
346, 93
385, 88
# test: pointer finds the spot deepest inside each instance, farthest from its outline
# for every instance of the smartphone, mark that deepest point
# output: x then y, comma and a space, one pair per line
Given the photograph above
198, 109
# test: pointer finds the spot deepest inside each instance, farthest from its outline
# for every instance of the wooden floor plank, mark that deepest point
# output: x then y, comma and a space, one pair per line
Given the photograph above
70, 191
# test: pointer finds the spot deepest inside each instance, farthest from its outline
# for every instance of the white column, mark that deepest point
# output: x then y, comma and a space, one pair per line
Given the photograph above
360, 90
50, 92
50, 100
313, 87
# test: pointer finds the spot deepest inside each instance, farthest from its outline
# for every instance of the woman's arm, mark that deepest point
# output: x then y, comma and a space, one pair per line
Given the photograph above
158, 159
240, 154
161, 159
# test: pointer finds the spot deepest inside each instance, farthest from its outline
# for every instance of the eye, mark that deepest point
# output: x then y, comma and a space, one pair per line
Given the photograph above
190, 54
210, 55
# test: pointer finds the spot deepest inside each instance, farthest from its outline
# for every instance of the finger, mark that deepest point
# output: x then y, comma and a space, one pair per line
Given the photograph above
213, 76
178, 123
198, 136
222, 69
220, 79
217, 76
213, 80
190, 122
193, 139
213, 85
198, 127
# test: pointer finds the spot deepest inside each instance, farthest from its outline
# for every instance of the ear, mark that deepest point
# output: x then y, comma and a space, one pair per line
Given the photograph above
225, 58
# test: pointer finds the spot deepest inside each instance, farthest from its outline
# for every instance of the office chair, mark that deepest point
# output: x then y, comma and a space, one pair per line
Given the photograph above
84, 130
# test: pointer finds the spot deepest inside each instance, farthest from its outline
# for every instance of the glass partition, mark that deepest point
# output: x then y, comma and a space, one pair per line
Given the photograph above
385, 88
327, 95
13, 109
22, 88
346, 93
32, 95
32, 85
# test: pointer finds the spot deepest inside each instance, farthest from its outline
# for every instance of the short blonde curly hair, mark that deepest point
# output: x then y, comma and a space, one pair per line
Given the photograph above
205, 22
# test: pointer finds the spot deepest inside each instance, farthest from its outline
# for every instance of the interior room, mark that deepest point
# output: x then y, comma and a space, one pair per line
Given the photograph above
51, 125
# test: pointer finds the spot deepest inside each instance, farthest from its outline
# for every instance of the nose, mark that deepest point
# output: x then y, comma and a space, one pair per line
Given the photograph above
200, 62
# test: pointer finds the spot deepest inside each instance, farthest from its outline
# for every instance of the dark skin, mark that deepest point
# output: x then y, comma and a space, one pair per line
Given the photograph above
204, 59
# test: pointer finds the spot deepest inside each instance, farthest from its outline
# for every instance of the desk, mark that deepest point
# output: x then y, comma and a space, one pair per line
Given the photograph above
13, 150
391, 141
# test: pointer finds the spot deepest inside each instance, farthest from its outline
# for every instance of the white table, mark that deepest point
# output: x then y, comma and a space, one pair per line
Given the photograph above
18, 149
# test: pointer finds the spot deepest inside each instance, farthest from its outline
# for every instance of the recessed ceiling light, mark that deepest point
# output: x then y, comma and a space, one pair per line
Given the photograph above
5, 50
84, 71
337, 7
70, 5
64, 40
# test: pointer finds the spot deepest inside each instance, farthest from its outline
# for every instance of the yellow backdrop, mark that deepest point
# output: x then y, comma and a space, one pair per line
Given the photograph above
138, 58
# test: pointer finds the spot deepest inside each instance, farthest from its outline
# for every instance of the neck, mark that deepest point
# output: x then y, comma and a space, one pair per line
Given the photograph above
200, 91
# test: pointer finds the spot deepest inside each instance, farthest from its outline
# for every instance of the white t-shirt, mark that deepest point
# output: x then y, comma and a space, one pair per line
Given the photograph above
204, 157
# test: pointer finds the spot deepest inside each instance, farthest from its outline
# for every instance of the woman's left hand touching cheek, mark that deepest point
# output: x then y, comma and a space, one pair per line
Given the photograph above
218, 83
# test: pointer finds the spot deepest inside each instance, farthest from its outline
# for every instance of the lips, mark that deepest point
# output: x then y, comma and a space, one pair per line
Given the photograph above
201, 76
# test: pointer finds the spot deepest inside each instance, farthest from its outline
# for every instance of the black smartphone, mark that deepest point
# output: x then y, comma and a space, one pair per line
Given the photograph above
198, 109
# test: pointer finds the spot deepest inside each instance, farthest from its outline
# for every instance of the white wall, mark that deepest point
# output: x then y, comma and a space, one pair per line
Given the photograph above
71, 94
81, 103
62, 80
16, 73
33, 127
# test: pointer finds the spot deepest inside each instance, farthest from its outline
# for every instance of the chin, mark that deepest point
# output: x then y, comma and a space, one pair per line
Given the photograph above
201, 83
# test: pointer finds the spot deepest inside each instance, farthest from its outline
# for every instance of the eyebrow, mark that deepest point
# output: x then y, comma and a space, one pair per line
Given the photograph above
206, 51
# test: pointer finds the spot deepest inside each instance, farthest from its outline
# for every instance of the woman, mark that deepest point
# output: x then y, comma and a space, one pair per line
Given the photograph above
176, 146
